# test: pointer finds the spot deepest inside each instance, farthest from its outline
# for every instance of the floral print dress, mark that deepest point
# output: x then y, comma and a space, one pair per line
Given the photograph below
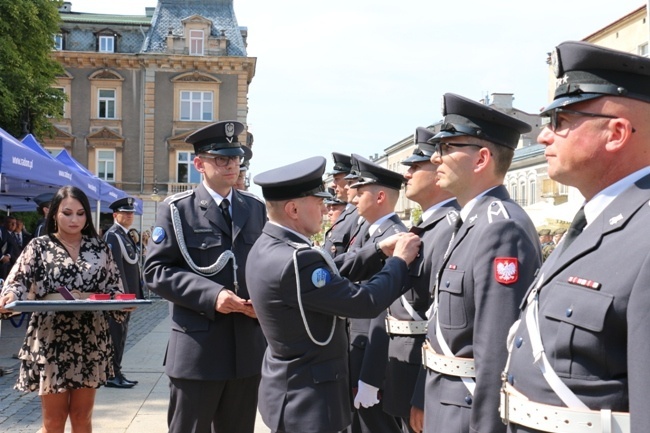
71, 349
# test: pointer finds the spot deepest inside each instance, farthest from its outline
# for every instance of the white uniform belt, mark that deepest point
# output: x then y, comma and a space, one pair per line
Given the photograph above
405, 327
461, 367
515, 408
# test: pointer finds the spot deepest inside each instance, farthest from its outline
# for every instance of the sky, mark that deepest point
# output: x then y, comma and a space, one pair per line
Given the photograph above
357, 76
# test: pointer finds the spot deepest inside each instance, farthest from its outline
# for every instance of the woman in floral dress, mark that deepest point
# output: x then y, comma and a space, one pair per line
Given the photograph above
66, 356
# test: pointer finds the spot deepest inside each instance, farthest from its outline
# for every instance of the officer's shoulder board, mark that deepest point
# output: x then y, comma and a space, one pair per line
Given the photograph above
497, 211
179, 196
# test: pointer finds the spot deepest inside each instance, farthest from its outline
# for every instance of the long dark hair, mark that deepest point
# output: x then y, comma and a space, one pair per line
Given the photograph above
77, 194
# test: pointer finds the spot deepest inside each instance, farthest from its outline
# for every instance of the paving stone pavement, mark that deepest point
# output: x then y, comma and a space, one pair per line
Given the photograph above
142, 409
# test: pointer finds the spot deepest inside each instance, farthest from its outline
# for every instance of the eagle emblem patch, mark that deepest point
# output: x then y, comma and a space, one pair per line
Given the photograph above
506, 270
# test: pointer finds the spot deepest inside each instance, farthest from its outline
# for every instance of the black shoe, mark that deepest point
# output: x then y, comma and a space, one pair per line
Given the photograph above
117, 382
125, 380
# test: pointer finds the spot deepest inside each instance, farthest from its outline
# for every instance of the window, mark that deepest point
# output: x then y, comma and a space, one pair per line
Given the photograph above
513, 190
106, 104
643, 50
532, 184
106, 44
196, 42
522, 200
185, 170
196, 106
106, 165
58, 42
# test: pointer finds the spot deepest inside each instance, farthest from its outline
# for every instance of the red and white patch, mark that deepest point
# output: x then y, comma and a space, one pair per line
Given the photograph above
506, 270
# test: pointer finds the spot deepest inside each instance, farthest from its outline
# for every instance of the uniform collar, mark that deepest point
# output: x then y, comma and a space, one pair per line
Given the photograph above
218, 198
427, 213
465, 211
604, 198
374, 226
300, 235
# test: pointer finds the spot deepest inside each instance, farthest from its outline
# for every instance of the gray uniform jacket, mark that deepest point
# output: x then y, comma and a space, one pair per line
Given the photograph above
406, 350
337, 237
205, 344
491, 262
305, 386
368, 338
594, 304
130, 272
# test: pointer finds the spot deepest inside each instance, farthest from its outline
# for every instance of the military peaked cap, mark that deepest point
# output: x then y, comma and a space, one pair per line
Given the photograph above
300, 179
219, 138
373, 174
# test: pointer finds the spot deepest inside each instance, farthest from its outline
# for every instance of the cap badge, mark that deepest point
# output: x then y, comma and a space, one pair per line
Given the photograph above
230, 131
130, 201
506, 270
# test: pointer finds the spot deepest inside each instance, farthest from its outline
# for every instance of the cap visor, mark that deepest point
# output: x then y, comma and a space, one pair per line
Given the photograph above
563, 101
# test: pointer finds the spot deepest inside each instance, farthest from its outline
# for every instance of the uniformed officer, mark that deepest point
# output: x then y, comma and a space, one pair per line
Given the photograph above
43, 207
377, 192
407, 319
579, 355
558, 234
197, 259
484, 274
125, 254
338, 236
545, 237
359, 229
299, 298
335, 207
242, 180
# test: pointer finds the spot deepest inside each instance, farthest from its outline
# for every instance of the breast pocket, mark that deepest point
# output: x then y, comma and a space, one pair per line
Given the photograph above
204, 247
581, 314
451, 303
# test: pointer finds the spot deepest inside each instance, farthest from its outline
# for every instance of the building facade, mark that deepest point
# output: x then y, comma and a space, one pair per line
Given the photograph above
138, 85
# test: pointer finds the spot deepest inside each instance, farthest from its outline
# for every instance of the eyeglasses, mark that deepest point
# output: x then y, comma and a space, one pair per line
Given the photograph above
442, 146
222, 160
553, 122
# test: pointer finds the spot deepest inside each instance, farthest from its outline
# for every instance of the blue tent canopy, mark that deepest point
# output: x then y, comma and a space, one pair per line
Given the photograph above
24, 174
108, 193
87, 183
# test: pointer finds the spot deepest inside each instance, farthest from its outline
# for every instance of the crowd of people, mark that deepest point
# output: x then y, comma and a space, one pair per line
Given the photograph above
470, 320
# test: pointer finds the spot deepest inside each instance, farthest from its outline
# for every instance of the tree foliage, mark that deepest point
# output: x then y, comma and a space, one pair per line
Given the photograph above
27, 71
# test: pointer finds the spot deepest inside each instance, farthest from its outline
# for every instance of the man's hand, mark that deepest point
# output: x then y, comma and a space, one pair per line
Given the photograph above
366, 395
388, 245
407, 247
5, 258
228, 302
417, 419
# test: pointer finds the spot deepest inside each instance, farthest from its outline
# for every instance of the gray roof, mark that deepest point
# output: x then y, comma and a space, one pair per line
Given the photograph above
528, 152
170, 13
88, 18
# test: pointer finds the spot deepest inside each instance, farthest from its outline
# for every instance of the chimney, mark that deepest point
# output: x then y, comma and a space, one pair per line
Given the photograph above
66, 8
149, 11
502, 101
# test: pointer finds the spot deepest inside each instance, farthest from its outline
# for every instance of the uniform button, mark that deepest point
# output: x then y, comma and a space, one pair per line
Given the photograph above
447, 283
569, 312
184, 328
203, 245
468, 399
518, 342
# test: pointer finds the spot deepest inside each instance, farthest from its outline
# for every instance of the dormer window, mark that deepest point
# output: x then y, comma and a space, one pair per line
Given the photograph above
196, 42
58, 42
106, 44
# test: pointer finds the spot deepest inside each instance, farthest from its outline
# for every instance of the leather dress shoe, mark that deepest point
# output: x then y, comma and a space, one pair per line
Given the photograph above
118, 382
125, 380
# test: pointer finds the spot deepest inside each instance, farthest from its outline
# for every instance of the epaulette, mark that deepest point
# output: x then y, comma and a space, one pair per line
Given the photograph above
179, 196
250, 194
497, 209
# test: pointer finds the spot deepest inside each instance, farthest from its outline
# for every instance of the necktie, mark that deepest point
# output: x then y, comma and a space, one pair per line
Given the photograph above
225, 204
577, 225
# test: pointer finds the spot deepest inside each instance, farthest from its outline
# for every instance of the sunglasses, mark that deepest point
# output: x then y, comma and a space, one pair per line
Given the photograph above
553, 122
